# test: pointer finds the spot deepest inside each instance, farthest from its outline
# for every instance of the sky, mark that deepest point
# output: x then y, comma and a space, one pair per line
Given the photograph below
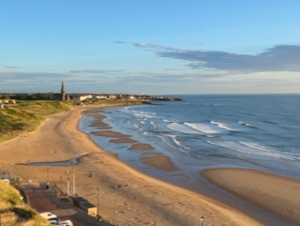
150, 46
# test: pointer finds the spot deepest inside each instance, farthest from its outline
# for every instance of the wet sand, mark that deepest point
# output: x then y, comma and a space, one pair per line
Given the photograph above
276, 193
100, 125
108, 133
128, 197
141, 146
161, 162
123, 140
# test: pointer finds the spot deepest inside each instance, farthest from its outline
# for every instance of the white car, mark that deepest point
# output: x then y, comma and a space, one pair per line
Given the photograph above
6, 180
53, 221
66, 223
47, 215
52, 218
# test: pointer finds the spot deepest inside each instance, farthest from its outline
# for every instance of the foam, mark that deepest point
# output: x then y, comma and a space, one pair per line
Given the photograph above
135, 125
179, 146
182, 128
154, 126
223, 126
176, 141
258, 146
247, 124
253, 149
204, 128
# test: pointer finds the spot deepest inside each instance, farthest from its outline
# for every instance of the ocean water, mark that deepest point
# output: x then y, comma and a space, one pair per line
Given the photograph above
210, 131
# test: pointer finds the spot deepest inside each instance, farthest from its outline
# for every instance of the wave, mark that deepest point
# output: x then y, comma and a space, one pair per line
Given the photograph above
210, 136
135, 125
213, 104
270, 122
223, 126
182, 128
258, 146
253, 149
247, 124
154, 126
204, 128
176, 141
176, 144
143, 115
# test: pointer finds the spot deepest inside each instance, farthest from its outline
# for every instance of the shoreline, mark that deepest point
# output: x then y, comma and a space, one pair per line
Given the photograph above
162, 163
128, 196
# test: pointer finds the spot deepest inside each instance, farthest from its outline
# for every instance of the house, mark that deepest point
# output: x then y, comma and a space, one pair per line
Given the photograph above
112, 97
101, 97
85, 97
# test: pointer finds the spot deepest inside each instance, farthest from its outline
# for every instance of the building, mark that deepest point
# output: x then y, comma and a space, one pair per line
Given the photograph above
63, 92
84, 205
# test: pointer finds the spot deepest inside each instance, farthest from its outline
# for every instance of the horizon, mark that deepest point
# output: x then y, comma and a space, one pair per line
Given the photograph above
158, 48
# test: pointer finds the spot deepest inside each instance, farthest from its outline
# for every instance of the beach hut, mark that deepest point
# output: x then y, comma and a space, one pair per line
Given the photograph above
84, 205
77, 200
89, 208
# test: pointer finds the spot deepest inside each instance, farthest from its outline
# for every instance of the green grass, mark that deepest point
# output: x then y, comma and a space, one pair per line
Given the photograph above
26, 116
14, 212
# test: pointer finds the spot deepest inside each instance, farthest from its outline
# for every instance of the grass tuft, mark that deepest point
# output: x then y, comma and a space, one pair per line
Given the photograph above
26, 116
14, 212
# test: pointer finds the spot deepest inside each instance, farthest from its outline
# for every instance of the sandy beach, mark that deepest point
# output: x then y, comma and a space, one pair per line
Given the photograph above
130, 197
276, 193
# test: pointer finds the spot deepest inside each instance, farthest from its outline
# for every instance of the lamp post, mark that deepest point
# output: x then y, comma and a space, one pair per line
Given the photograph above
68, 183
201, 220
61, 186
47, 183
47, 175
98, 204
74, 191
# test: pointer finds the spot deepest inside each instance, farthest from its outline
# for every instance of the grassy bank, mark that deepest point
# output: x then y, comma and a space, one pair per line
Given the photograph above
14, 212
26, 116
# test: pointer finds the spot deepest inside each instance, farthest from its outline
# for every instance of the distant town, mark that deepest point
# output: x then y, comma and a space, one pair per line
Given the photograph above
64, 96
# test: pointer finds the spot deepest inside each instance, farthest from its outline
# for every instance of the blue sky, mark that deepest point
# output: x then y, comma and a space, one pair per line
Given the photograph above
152, 47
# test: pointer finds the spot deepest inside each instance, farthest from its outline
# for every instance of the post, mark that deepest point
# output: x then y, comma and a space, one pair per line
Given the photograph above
9, 176
98, 216
201, 220
74, 191
47, 175
68, 183
61, 186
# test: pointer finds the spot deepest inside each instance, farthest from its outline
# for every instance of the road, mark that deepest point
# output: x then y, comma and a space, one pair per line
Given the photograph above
44, 200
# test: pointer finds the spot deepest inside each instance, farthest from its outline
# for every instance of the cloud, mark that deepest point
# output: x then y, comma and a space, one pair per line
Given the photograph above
162, 78
277, 58
93, 71
32, 75
8, 67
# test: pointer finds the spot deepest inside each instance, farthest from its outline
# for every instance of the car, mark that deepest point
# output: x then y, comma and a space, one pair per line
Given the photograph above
53, 221
52, 218
47, 215
6, 180
66, 223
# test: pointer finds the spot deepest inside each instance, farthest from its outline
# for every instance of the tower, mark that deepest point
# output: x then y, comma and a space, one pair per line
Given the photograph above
63, 92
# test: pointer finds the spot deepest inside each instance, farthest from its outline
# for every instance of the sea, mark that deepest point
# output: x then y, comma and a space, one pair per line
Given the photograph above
259, 132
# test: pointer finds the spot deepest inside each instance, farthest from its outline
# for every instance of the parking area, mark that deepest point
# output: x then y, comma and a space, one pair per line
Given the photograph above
44, 200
